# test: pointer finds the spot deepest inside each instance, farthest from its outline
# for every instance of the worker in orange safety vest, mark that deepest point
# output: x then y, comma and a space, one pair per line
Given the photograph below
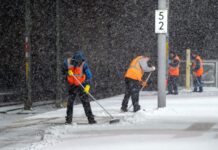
78, 68
198, 70
173, 73
133, 81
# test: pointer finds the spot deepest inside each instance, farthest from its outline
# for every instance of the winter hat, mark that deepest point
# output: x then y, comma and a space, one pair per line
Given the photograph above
78, 56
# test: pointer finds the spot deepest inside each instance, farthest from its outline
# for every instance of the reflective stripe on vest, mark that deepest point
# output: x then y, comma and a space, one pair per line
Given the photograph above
69, 62
78, 73
200, 71
174, 71
135, 71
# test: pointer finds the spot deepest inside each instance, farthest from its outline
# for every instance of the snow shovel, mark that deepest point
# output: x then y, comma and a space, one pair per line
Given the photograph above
142, 87
146, 81
112, 119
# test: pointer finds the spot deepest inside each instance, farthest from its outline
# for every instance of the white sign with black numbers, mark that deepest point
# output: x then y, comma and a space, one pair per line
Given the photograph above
161, 21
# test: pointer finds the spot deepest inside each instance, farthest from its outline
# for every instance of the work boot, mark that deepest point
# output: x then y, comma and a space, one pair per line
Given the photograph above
169, 93
195, 90
92, 121
123, 109
137, 108
200, 89
175, 93
68, 120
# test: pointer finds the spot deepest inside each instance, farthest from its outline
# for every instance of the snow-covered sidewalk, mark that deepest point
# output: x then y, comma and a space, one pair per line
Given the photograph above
190, 121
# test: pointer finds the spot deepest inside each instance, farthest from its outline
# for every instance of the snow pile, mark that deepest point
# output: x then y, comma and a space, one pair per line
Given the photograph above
144, 115
140, 116
51, 136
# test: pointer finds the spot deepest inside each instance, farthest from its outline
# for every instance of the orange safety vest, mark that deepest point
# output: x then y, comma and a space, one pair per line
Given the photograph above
200, 71
174, 71
135, 71
78, 73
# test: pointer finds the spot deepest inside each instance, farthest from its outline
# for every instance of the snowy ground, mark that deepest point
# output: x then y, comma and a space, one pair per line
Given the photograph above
190, 121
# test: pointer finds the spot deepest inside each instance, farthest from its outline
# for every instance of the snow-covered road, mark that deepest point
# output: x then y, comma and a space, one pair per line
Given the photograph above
190, 121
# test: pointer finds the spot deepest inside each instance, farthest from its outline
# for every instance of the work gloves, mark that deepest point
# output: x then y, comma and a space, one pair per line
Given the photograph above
70, 72
143, 83
87, 88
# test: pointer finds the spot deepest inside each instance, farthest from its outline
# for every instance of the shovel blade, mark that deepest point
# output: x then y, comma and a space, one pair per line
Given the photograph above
114, 121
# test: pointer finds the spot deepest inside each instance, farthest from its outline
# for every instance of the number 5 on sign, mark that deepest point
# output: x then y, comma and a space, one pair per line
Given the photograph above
161, 21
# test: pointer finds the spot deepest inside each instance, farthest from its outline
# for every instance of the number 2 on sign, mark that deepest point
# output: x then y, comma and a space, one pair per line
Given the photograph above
161, 26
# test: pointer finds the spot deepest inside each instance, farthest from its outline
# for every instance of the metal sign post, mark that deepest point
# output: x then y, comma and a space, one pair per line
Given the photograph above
27, 49
161, 17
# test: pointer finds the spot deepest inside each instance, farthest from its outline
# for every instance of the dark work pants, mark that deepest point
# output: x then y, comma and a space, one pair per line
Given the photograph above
172, 84
73, 92
132, 90
197, 83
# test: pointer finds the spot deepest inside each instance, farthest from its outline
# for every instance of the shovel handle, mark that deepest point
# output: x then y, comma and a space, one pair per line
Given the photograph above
93, 98
146, 81
142, 87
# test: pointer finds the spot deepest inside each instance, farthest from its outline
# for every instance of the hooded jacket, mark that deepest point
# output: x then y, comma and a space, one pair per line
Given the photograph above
197, 66
173, 69
79, 66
